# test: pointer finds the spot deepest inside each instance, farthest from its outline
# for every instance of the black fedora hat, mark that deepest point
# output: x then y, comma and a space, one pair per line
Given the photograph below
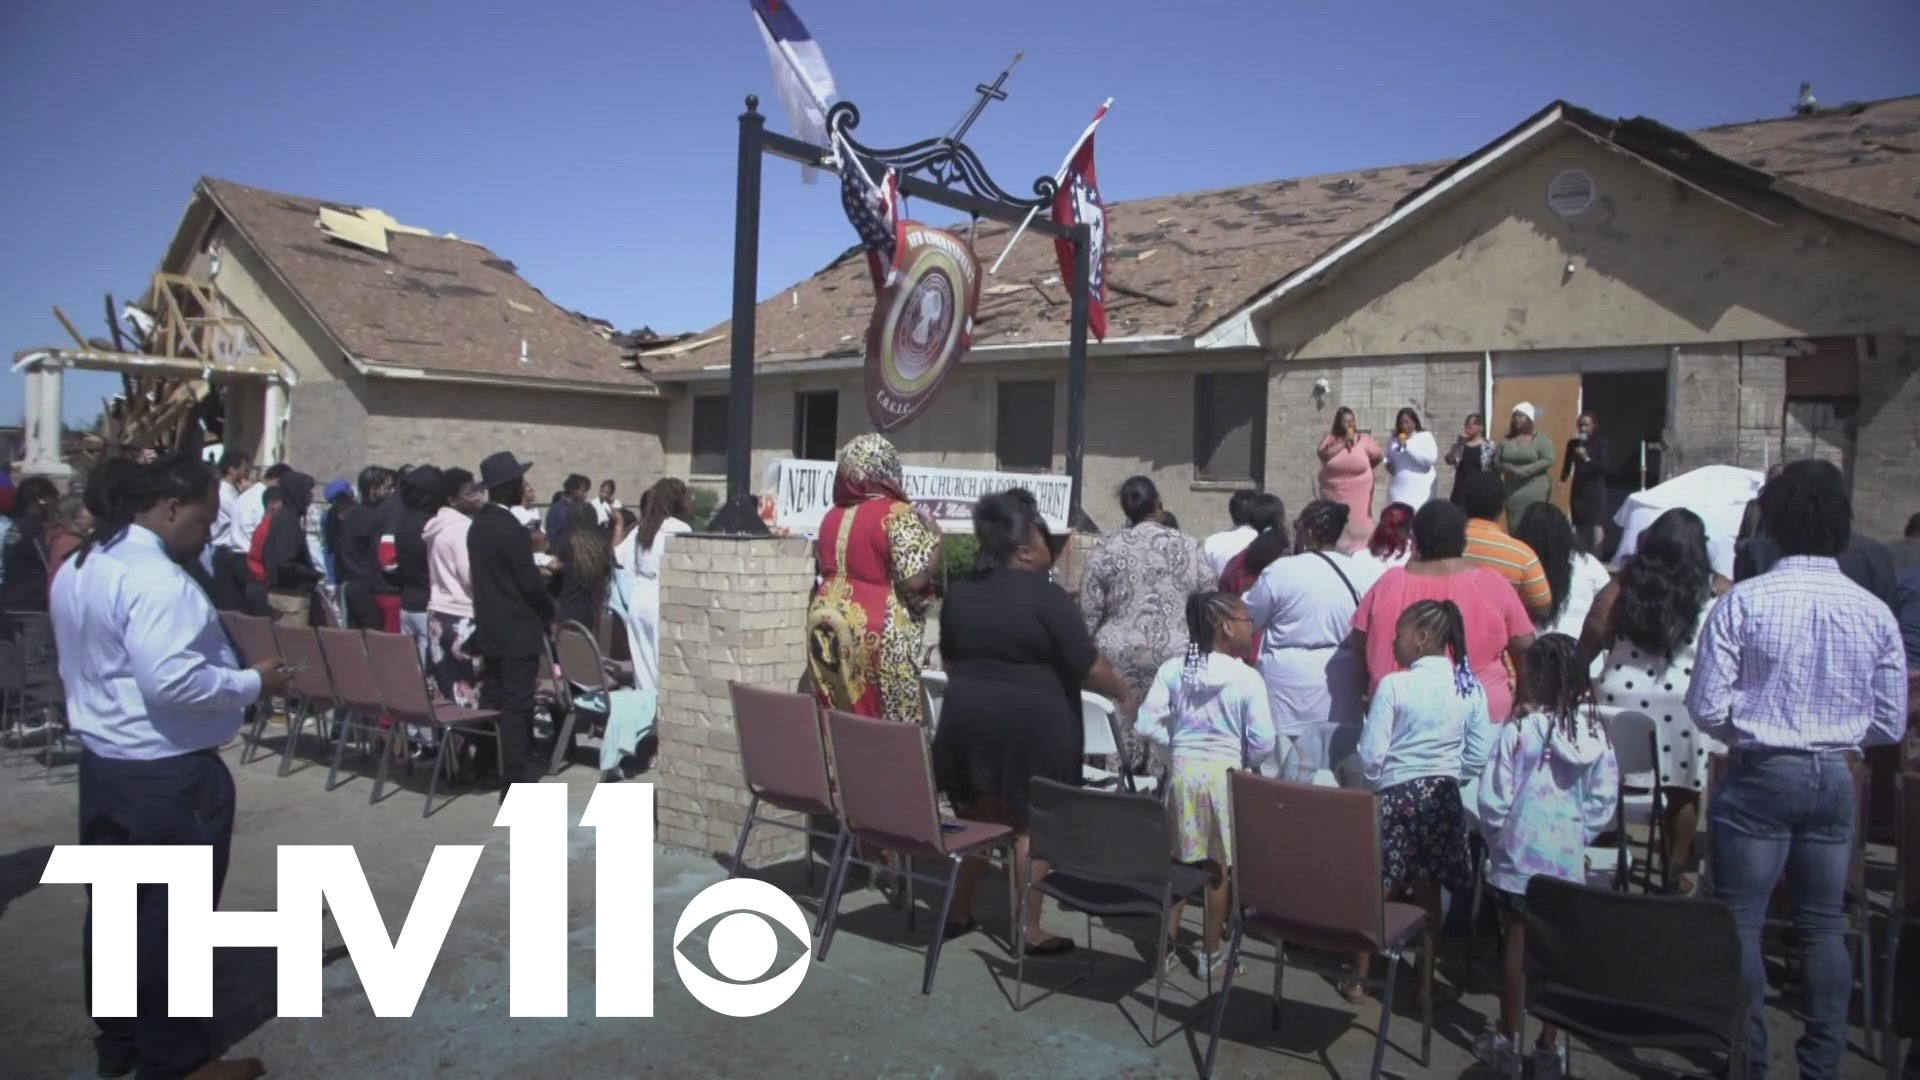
502, 468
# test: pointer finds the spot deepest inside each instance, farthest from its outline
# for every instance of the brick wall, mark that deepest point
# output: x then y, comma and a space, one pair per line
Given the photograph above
336, 428
1762, 408
1703, 409
1887, 453
730, 609
1443, 389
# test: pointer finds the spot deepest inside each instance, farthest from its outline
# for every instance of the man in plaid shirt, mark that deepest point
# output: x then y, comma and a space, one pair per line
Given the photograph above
1797, 669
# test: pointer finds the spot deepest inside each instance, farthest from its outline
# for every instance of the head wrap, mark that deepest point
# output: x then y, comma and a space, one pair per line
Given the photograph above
869, 468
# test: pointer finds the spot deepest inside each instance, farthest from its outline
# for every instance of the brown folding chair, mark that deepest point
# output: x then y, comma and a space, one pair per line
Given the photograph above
311, 687
783, 756
1306, 871
1901, 1011
403, 691
252, 637
887, 802
581, 669
358, 694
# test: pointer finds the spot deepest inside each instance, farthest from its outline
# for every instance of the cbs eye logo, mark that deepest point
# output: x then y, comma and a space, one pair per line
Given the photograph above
742, 947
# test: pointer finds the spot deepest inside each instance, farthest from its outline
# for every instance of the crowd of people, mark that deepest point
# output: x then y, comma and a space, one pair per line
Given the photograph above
1466, 659
1468, 673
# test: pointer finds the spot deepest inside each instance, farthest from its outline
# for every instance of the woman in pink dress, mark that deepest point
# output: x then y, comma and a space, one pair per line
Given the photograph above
1497, 623
1347, 461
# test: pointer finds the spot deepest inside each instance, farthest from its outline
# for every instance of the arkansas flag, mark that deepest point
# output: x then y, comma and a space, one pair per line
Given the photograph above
1078, 203
876, 217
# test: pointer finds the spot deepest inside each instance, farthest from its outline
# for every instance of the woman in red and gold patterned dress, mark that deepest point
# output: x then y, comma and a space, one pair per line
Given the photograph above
877, 557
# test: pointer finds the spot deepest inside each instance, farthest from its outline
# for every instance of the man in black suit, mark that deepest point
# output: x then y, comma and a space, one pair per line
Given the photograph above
511, 612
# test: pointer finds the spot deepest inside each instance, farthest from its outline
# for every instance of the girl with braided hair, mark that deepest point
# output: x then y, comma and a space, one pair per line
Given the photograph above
1427, 728
1208, 712
1548, 791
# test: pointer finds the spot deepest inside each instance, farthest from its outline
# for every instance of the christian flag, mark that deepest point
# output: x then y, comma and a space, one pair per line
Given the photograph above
800, 69
1078, 203
876, 217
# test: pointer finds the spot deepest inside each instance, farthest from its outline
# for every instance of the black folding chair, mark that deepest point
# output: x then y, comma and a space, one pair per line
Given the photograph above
1626, 971
1108, 853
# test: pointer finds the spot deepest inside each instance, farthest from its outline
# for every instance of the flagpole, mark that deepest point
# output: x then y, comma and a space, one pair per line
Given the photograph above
1058, 178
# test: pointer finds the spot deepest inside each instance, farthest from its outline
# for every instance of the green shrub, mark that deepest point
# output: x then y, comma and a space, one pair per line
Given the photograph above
956, 559
705, 502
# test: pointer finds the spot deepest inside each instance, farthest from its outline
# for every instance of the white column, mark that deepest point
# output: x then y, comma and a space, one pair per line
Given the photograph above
273, 415
42, 421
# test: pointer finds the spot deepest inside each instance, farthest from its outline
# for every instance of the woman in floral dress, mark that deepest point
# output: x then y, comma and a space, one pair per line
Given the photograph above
1134, 595
877, 556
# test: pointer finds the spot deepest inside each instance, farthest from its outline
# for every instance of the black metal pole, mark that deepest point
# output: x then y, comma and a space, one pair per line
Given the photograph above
1077, 518
741, 512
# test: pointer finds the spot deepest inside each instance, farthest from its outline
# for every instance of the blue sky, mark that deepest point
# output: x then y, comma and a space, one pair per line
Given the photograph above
592, 141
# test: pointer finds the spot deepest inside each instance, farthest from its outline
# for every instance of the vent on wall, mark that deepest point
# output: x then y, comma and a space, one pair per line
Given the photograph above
1570, 192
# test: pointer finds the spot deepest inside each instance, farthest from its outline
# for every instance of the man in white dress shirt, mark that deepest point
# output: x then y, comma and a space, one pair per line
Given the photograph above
1223, 546
153, 692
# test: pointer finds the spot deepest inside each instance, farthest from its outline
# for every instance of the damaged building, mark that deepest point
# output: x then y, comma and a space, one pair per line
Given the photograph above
332, 336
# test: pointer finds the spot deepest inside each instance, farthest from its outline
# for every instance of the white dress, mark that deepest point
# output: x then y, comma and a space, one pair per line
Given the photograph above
1410, 465
644, 627
1635, 682
1590, 576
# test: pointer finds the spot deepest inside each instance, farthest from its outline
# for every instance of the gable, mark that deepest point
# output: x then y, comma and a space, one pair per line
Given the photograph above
1653, 261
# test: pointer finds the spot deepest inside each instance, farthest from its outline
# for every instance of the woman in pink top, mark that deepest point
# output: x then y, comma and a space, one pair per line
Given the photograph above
1497, 622
1347, 461
450, 591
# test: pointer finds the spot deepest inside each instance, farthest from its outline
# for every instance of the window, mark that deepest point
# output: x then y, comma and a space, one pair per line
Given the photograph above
1025, 435
709, 435
1229, 427
816, 425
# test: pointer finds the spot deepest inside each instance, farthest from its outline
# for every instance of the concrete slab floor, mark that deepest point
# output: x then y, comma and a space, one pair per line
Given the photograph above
859, 1014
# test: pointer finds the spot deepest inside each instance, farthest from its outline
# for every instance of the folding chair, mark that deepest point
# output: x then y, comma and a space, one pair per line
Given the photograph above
311, 686
933, 694
887, 802
404, 694
358, 695
1108, 853
36, 688
1100, 737
583, 668
1630, 971
252, 637
1901, 1014
1634, 737
1306, 871
783, 758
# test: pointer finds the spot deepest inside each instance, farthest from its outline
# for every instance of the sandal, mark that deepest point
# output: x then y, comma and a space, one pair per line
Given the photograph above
1353, 990
1053, 946
1212, 966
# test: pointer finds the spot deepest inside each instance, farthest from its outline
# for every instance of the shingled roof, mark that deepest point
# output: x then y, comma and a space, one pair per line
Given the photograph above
435, 303
1181, 263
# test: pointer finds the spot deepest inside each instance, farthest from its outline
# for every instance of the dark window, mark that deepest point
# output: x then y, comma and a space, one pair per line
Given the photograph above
709, 436
1025, 435
1229, 427
816, 425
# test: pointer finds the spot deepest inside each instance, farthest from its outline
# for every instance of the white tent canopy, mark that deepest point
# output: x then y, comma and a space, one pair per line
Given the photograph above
1718, 493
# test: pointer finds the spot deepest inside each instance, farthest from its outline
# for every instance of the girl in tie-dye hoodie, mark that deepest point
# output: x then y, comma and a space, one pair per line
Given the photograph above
1550, 787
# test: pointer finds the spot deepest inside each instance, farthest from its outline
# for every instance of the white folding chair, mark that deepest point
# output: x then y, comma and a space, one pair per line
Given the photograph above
933, 690
1632, 733
1099, 727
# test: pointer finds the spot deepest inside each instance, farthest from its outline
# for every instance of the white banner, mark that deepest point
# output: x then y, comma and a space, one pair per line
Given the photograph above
799, 493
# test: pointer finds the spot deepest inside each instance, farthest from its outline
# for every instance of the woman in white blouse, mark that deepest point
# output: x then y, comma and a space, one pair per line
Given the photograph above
1411, 455
1574, 576
664, 512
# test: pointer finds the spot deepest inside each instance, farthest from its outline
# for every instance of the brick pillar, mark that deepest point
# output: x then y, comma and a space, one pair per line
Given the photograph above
1886, 455
1763, 405
1703, 416
731, 608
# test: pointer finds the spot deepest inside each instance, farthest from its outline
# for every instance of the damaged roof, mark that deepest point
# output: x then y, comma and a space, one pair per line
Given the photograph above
1182, 263
432, 302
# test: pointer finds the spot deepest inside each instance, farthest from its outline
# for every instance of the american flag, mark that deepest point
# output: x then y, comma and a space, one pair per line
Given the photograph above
876, 217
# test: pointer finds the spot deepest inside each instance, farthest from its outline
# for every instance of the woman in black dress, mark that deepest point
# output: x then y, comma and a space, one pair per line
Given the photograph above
1472, 452
1016, 653
1586, 465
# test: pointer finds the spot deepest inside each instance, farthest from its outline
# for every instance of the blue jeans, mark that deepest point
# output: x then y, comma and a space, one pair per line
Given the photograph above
1792, 812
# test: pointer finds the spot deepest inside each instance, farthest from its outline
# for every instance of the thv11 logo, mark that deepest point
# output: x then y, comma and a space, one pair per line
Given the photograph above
742, 945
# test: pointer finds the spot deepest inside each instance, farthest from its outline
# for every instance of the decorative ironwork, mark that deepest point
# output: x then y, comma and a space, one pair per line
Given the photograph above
942, 159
